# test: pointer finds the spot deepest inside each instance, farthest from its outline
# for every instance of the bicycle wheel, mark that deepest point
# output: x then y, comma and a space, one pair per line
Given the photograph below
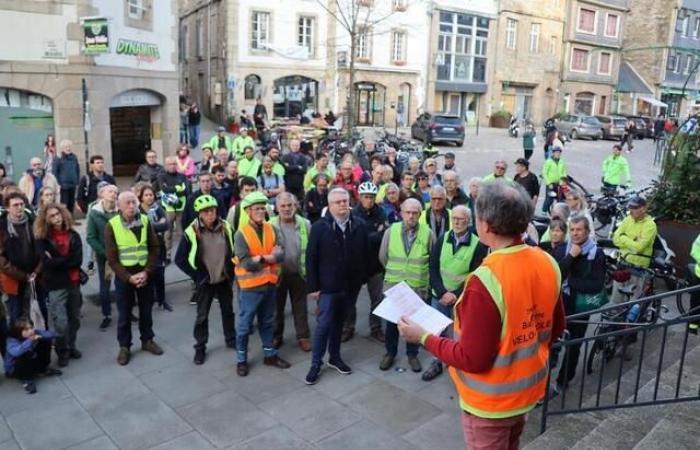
683, 301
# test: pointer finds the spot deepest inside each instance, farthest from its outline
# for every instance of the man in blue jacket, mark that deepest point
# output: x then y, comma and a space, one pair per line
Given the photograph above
66, 169
336, 268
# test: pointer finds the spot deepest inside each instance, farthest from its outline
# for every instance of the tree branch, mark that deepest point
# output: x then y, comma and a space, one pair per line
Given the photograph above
342, 22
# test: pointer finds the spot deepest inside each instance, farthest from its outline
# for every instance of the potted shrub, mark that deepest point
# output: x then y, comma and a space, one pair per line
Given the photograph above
500, 119
231, 124
675, 199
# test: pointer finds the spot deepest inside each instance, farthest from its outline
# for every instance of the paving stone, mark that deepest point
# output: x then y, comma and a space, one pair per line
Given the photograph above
441, 393
15, 399
98, 443
140, 422
182, 384
105, 386
260, 386
226, 419
670, 435
365, 434
5, 432
336, 385
189, 441
390, 406
276, 438
10, 445
143, 362
444, 430
63, 423
405, 379
309, 414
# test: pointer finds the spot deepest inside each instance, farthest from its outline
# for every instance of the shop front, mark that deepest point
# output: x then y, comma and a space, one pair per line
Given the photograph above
293, 95
370, 100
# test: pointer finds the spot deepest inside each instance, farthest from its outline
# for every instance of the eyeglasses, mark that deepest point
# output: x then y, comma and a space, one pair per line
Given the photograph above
430, 165
500, 168
339, 202
442, 199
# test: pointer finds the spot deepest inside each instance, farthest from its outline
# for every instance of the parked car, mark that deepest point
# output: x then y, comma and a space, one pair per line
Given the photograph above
613, 127
577, 126
432, 128
645, 126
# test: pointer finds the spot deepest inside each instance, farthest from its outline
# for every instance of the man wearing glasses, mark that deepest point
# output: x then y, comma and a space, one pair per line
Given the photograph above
436, 216
499, 172
434, 178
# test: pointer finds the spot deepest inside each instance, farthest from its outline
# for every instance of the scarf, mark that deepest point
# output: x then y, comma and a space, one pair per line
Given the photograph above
11, 224
588, 248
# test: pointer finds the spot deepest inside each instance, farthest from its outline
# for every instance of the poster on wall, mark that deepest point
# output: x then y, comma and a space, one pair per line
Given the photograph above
96, 36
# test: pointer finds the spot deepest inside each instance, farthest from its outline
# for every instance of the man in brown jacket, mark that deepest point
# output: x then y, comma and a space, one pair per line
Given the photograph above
132, 250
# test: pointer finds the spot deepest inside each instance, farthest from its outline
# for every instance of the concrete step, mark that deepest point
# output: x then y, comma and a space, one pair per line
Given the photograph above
667, 434
563, 431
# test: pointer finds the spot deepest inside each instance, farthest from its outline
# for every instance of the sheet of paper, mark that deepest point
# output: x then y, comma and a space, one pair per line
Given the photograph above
401, 300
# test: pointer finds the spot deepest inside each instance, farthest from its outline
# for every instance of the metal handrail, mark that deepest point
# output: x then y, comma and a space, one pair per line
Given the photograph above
600, 396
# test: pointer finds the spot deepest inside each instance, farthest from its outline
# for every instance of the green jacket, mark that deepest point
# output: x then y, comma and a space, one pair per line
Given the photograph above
97, 219
279, 169
214, 143
311, 173
239, 145
492, 177
553, 171
616, 170
695, 254
249, 167
636, 237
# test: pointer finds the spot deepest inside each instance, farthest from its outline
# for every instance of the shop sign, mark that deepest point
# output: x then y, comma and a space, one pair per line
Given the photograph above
96, 36
54, 48
143, 51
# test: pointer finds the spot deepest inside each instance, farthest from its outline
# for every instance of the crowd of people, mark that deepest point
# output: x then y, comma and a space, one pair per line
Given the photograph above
290, 224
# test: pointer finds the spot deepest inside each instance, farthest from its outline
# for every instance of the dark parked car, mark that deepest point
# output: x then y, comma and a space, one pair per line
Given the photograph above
432, 128
613, 127
645, 126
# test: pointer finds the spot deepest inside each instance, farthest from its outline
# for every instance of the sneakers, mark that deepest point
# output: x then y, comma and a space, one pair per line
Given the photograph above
693, 328
105, 323
166, 306
378, 335
433, 371
29, 386
124, 356
199, 356
414, 364
340, 366
75, 353
313, 375
347, 334
152, 347
387, 362
193, 299
276, 361
242, 369
305, 345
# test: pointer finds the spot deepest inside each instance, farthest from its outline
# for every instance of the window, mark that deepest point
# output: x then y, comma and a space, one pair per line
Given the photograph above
612, 23
553, 44
462, 47
305, 35
251, 87
511, 33
696, 30
363, 43
135, 8
675, 63
685, 25
688, 64
184, 47
398, 43
604, 66
399, 5
535, 38
586, 20
200, 38
579, 60
260, 34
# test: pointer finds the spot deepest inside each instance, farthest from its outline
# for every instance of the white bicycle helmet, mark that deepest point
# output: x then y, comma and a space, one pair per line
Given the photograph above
368, 188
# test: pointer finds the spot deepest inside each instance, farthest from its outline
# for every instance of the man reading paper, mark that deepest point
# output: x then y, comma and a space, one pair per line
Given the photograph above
505, 323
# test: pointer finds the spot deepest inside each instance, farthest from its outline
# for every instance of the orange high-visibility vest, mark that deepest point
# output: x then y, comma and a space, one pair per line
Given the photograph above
524, 283
269, 272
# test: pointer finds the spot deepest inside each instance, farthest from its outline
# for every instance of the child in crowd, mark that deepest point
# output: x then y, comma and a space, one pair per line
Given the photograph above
28, 353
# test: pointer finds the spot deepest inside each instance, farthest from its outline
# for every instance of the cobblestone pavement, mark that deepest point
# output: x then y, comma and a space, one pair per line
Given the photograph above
166, 402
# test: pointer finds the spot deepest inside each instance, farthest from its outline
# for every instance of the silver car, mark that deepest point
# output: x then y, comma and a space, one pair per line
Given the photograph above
579, 126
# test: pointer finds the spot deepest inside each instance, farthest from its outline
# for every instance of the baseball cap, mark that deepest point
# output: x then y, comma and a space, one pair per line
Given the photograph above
221, 129
449, 155
522, 162
637, 202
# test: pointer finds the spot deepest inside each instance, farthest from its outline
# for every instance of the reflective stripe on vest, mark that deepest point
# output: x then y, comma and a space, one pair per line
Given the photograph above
193, 235
131, 252
269, 273
411, 268
525, 300
454, 267
303, 240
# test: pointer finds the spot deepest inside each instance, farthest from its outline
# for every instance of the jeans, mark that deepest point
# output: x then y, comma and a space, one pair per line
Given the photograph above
567, 372
250, 305
105, 300
127, 295
159, 284
548, 199
375, 285
183, 134
174, 232
68, 198
332, 310
391, 334
18, 304
205, 295
64, 314
194, 135
294, 285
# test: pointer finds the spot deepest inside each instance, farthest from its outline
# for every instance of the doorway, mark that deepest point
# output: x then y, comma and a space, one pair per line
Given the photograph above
369, 106
131, 137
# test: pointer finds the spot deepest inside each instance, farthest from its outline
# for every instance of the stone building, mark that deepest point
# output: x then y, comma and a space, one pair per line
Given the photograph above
662, 43
462, 45
125, 54
528, 54
592, 44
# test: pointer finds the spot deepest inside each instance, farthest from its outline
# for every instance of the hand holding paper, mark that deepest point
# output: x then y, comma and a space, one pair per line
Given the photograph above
401, 300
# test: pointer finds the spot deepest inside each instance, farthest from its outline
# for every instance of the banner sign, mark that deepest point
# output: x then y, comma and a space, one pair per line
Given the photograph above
96, 36
142, 50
